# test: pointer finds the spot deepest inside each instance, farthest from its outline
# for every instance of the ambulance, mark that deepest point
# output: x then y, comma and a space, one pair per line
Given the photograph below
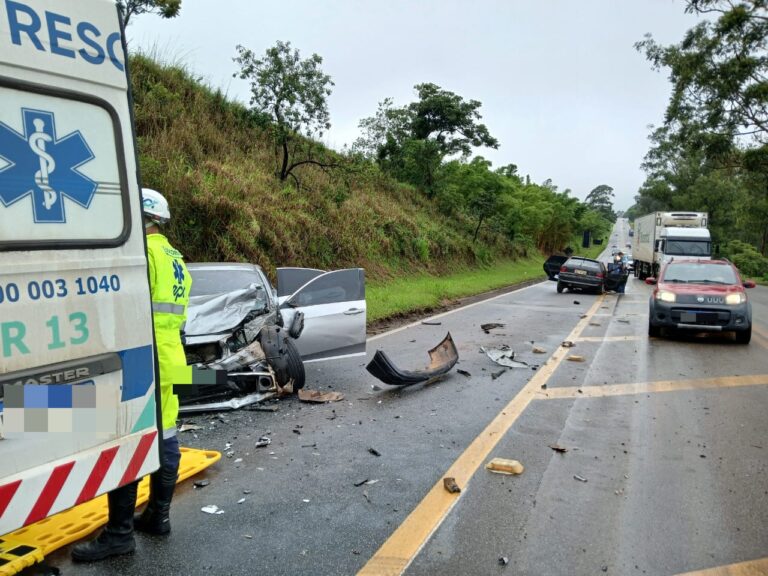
78, 401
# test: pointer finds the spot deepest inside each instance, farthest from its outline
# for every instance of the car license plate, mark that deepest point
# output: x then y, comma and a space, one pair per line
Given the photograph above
581, 272
688, 317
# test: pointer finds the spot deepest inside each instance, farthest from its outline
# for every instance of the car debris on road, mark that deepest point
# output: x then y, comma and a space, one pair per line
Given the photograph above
442, 358
319, 397
503, 356
505, 466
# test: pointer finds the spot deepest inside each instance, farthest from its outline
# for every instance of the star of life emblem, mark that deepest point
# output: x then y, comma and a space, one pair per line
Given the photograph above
38, 164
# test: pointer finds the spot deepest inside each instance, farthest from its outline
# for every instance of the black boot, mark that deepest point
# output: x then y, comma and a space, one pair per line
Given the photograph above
156, 519
117, 537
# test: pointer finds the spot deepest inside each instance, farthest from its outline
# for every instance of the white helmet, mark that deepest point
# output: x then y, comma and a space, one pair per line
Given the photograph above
155, 206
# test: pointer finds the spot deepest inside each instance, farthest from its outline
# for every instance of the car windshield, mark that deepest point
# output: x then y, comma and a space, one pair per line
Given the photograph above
207, 281
687, 248
699, 273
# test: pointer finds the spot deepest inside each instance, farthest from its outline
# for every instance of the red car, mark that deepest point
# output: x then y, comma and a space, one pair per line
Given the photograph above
700, 296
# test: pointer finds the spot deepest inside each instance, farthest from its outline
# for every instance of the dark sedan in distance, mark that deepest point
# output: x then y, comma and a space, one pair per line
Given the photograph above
579, 273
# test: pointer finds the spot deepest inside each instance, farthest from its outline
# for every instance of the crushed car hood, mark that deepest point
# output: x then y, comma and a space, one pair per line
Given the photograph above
211, 317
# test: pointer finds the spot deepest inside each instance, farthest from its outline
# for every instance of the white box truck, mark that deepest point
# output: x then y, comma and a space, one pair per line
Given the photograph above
78, 413
662, 236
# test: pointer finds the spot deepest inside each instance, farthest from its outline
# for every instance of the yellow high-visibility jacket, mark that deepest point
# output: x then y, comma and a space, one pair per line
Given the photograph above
169, 282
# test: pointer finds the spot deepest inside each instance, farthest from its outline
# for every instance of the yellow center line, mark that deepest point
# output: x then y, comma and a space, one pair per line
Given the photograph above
399, 550
757, 567
649, 387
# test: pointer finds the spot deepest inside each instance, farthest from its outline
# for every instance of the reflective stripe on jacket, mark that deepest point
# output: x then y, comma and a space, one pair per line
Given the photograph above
170, 283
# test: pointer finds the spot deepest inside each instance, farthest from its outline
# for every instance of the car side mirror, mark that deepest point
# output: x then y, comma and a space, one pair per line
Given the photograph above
749, 284
651, 281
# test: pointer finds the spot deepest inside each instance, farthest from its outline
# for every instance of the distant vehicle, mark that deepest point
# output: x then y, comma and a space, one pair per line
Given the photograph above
579, 273
629, 261
701, 296
662, 236
631, 232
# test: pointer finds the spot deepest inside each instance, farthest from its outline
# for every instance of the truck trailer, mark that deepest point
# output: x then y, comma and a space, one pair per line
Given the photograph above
662, 236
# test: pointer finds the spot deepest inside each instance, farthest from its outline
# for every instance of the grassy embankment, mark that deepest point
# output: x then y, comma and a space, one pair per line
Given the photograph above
215, 162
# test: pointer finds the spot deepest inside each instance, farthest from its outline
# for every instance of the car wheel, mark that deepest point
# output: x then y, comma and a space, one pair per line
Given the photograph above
295, 365
560, 287
654, 331
744, 336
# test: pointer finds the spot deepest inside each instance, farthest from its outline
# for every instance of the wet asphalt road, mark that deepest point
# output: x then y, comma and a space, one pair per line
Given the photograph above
675, 472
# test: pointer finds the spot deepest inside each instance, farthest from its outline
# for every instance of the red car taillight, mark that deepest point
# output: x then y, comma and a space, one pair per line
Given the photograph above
563, 269
599, 274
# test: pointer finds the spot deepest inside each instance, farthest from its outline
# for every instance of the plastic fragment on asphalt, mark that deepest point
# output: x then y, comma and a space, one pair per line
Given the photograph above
430, 323
241, 500
360, 483
450, 485
558, 448
374, 451
504, 466
537, 350
567, 344
503, 356
188, 427
263, 441
201, 483
576, 302
503, 561
495, 375
442, 358
579, 478
464, 373
575, 358
319, 397
306, 500
212, 509
490, 326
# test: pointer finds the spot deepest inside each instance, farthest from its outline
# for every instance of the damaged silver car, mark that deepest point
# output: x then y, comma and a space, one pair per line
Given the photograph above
260, 337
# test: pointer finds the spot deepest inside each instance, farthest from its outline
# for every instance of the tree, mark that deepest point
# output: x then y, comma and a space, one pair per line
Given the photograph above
293, 93
165, 8
411, 142
600, 199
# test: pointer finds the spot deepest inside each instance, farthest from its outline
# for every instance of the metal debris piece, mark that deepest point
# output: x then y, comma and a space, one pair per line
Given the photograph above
232, 404
212, 509
450, 485
490, 326
263, 441
537, 350
558, 448
504, 466
189, 427
567, 344
319, 397
201, 483
374, 451
464, 373
503, 356
442, 358
575, 358
270, 408
579, 478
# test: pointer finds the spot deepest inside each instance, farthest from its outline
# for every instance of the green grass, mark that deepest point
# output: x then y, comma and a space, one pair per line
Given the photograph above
424, 292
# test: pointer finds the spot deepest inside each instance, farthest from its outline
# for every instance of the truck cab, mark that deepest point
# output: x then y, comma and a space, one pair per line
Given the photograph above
683, 243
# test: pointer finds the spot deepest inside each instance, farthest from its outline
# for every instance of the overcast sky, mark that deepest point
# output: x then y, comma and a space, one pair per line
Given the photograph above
562, 87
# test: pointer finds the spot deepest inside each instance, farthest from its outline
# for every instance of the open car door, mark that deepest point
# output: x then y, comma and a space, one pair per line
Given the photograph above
552, 266
333, 304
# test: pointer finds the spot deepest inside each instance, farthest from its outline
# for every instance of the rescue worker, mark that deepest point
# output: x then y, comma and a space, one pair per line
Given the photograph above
170, 283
